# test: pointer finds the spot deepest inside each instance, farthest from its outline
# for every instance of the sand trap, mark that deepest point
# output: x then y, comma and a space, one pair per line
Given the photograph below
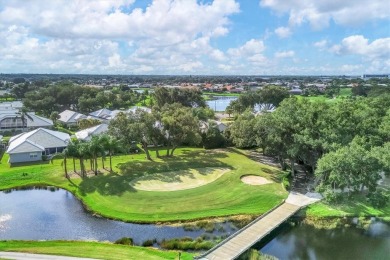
178, 180
254, 180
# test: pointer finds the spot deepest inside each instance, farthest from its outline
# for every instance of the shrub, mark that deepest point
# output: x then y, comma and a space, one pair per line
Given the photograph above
186, 244
149, 242
378, 199
124, 241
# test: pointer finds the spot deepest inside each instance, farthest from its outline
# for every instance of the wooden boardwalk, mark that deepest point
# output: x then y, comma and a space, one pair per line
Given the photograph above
242, 240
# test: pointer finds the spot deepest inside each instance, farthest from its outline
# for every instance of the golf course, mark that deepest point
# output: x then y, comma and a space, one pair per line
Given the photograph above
194, 184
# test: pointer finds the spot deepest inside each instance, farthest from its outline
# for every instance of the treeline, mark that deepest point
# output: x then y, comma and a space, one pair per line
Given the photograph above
65, 95
345, 144
272, 95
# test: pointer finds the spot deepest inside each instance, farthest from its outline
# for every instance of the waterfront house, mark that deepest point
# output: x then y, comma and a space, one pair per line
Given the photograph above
31, 146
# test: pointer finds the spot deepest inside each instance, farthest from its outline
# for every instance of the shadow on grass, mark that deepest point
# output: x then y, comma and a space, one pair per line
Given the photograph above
13, 165
117, 184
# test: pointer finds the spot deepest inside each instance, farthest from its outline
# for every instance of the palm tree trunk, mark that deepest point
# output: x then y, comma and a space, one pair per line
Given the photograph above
103, 162
110, 162
96, 166
74, 165
65, 168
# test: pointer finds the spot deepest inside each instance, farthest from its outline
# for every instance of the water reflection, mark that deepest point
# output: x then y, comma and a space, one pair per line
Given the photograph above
307, 242
46, 215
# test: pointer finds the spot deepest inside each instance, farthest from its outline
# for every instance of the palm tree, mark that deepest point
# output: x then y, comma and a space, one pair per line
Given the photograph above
95, 149
73, 152
64, 155
111, 145
23, 114
83, 153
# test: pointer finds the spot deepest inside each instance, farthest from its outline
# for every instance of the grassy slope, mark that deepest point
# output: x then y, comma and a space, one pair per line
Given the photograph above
354, 208
112, 196
344, 92
89, 249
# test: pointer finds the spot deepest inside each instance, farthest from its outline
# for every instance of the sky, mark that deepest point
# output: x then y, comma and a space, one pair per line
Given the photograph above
195, 37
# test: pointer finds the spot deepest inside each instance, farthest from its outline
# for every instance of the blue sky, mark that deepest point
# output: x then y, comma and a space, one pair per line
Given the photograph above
221, 37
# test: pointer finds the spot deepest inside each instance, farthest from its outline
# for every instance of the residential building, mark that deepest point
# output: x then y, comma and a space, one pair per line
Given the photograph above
11, 120
31, 146
87, 134
70, 117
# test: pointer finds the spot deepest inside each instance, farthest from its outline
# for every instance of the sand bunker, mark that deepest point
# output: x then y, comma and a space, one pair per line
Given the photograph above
254, 180
178, 180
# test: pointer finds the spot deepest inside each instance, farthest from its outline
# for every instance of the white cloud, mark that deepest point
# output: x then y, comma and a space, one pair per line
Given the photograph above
358, 45
321, 44
284, 54
168, 36
283, 32
249, 49
377, 53
319, 12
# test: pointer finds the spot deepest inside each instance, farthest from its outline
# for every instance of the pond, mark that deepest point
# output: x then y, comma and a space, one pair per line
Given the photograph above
51, 214
303, 241
219, 103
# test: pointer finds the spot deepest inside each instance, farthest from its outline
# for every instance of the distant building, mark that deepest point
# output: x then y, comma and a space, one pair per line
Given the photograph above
376, 76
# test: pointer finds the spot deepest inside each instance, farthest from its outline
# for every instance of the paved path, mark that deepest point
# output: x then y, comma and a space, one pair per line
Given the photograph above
25, 256
242, 240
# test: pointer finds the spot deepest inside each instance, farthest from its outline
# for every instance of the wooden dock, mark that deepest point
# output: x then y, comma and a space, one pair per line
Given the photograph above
241, 241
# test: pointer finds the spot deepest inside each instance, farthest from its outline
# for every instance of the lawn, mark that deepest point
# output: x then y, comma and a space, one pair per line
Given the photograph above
344, 92
90, 250
113, 196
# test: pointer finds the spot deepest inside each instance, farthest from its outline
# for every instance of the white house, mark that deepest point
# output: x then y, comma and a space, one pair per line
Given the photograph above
70, 117
11, 120
30, 146
87, 134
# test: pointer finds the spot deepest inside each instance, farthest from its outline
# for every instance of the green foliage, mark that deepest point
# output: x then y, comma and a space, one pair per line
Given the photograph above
213, 138
185, 97
186, 244
378, 198
241, 131
128, 241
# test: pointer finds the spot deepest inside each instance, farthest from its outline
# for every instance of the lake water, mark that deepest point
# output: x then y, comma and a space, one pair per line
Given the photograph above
39, 214
44, 214
219, 103
306, 242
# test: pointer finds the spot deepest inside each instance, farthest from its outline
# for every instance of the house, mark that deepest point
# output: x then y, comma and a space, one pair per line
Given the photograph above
11, 120
135, 108
31, 146
70, 117
13, 105
87, 134
204, 126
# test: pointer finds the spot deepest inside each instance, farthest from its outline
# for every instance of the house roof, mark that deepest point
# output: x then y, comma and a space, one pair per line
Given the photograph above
37, 140
69, 116
38, 121
86, 134
103, 113
133, 109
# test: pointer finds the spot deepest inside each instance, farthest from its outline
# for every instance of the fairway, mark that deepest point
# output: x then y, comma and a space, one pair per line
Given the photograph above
95, 250
112, 196
178, 180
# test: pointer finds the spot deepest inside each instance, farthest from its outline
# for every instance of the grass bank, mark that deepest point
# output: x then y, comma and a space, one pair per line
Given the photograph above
358, 207
112, 195
90, 249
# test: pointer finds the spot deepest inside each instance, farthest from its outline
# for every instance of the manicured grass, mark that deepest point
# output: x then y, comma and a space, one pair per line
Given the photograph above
90, 249
344, 92
111, 195
352, 208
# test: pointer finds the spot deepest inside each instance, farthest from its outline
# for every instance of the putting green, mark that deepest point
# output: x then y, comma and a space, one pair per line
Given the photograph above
178, 180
